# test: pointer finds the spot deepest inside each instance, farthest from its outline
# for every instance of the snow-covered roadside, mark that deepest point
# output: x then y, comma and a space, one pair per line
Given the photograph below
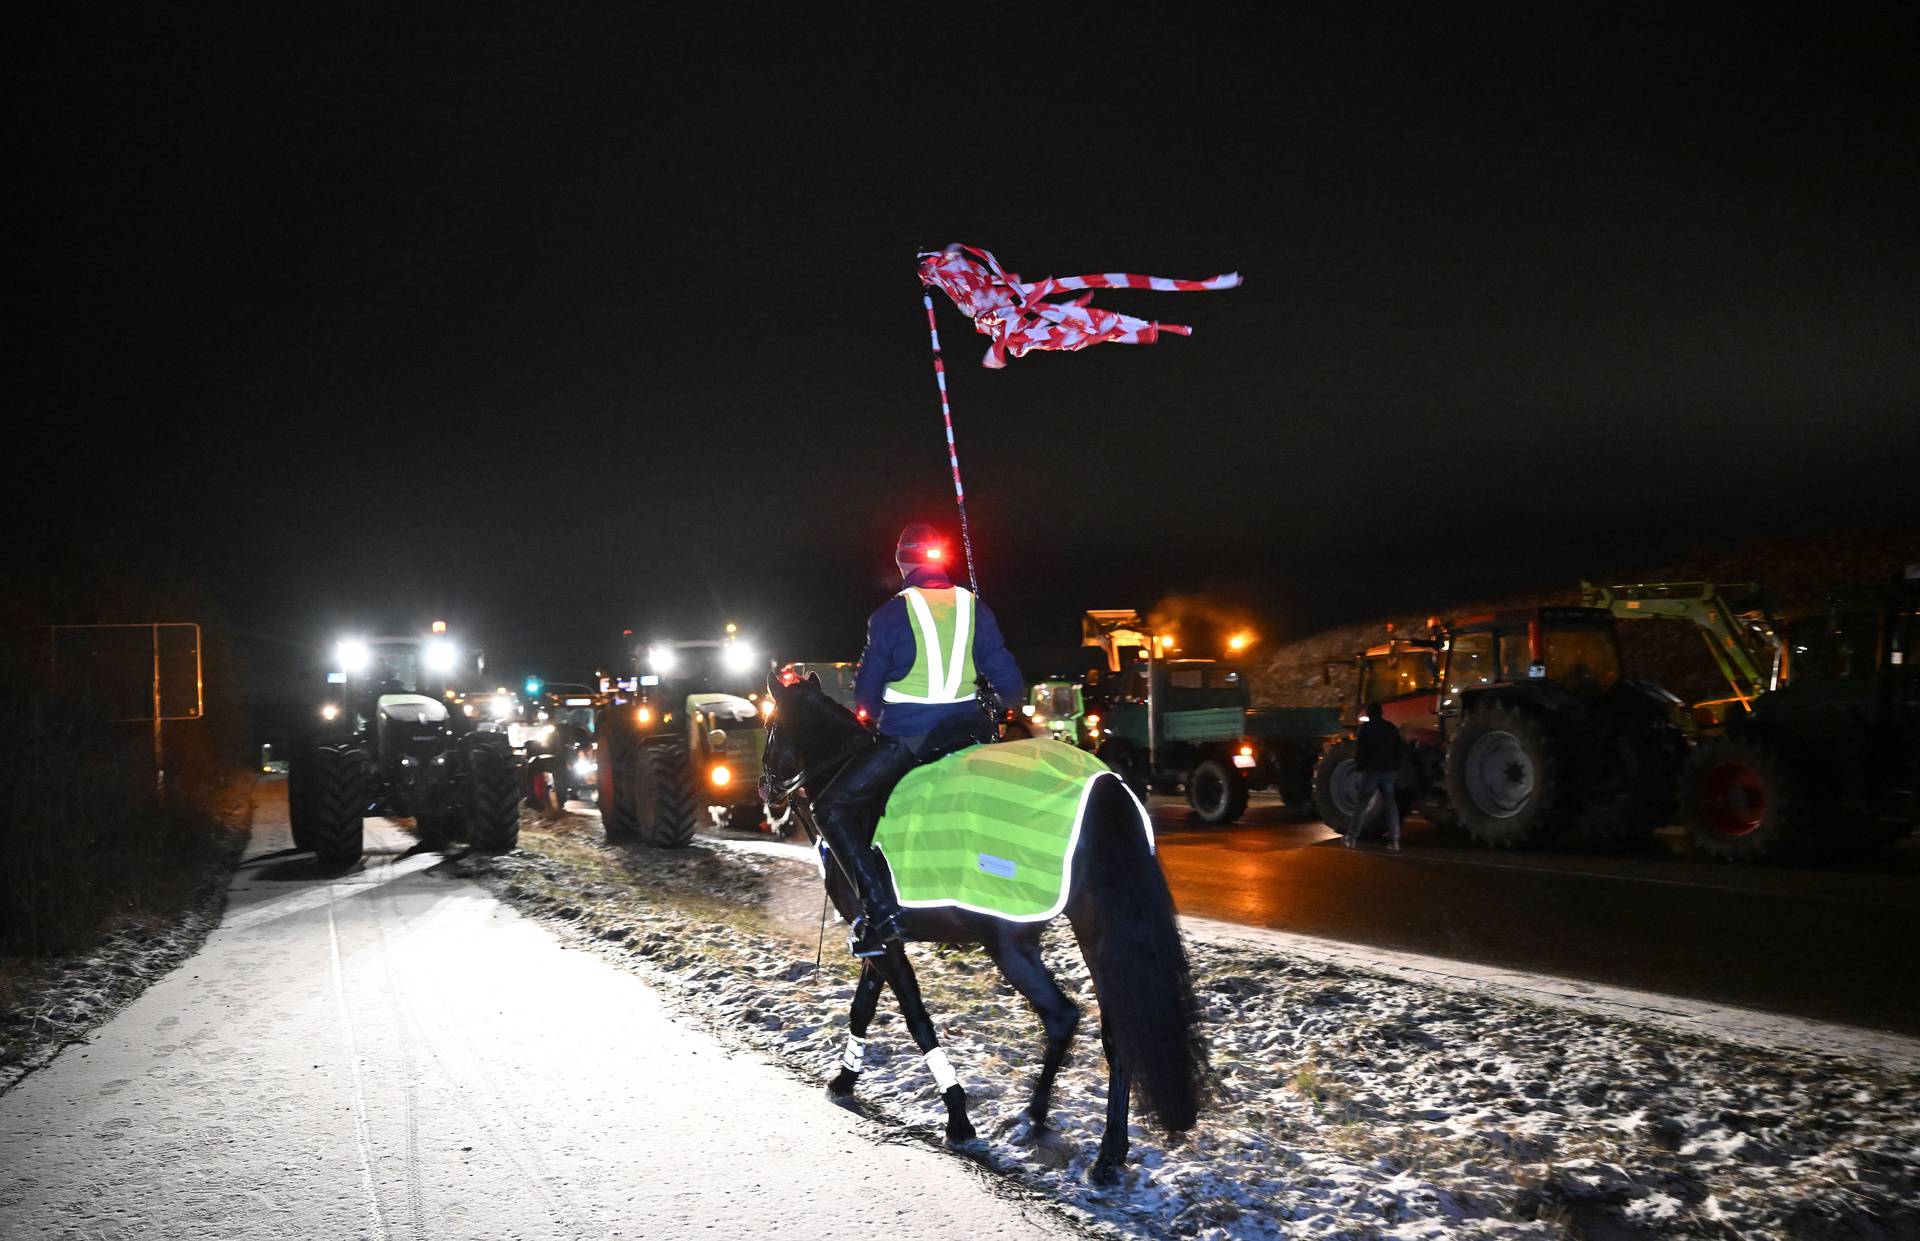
1346, 1103
58, 1001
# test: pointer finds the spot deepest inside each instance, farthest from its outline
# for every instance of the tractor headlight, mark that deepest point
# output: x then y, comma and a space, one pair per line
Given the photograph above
662, 659
354, 656
737, 657
329, 712
441, 656
585, 767
720, 775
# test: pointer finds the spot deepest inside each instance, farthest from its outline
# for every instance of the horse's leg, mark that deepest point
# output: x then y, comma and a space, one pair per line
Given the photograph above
1018, 956
906, 989
1113, 1143
866, 994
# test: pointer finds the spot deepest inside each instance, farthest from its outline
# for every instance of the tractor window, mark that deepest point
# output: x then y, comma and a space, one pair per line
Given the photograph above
1470, 663
1833, 646
1223, 678
1515, 656
1582, 656
1186, 678
1395, 676
1054, 700
1133, 683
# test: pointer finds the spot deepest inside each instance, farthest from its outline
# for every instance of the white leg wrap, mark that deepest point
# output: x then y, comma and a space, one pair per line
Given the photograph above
944, 1078
852, 1058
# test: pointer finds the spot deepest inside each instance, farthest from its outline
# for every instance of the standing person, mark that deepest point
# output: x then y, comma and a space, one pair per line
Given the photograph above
1377, 751
916, 683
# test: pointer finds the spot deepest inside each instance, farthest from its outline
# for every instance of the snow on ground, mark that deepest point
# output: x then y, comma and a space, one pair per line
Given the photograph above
57, 1001
1345, 1103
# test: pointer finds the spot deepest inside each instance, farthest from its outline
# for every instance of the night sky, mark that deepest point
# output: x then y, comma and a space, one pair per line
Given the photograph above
559, 325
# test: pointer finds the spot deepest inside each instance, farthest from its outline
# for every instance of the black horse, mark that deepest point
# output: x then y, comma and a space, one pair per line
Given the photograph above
1122, 916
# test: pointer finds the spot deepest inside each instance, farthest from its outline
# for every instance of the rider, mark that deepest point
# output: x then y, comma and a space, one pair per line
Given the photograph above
916, 686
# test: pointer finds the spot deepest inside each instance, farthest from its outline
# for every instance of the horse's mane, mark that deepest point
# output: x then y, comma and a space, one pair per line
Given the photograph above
827, 721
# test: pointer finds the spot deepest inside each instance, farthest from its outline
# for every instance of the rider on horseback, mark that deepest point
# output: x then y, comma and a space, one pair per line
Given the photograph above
916, 686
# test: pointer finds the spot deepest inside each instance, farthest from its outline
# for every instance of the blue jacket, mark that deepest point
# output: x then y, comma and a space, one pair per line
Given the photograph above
891, 647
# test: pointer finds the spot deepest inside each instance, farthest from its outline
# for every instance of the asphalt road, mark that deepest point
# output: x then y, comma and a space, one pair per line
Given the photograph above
1833, 943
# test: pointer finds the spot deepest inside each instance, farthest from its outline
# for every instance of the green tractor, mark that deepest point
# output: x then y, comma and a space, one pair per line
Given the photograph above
1057, 708
383, 740
1827, 757
1521, 727
682, 743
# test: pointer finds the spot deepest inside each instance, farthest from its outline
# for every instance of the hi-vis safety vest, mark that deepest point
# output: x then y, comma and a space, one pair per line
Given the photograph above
942, 669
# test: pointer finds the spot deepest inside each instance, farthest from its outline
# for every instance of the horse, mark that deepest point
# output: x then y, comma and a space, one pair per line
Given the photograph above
1121, 913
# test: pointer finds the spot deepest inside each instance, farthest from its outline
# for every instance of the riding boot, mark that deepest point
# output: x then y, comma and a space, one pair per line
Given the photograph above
879, 922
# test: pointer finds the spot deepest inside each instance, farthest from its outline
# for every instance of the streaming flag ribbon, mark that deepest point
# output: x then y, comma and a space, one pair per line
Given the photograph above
1017, 317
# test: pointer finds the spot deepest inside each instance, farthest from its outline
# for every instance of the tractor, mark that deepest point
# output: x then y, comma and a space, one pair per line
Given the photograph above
383, 740
560, 759
682, 742
1827, 757
1520, 728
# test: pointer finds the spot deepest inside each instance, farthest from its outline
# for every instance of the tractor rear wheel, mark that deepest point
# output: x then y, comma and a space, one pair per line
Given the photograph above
1216, 792
1505, 779
666, 810
493, 792
334, 797
1742, 799
1336, 785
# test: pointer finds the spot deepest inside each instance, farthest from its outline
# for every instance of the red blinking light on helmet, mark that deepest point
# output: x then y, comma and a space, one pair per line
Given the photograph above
936, 552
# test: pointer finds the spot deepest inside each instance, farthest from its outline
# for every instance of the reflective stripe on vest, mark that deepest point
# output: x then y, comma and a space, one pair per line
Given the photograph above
942, 671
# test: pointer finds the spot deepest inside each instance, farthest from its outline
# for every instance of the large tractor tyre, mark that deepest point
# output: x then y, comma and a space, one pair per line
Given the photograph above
667, 815
1631, 791
1743, 800
1216, 792
1336, 785
1505, 777
493, 793
1132, 770
619, 779
335, 797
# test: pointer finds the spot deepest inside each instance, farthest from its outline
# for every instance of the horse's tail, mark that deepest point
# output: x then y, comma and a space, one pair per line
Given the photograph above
1125, 922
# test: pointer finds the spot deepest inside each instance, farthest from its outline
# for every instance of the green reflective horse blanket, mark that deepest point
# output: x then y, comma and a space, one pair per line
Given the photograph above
991, 829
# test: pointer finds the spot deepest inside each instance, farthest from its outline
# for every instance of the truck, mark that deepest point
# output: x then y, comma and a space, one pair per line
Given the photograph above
380, 737
1520, 726
1169, 725
681, 742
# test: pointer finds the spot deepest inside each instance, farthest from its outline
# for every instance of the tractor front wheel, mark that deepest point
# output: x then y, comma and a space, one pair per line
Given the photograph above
493, 792
1742, 800
666, 811
332, 803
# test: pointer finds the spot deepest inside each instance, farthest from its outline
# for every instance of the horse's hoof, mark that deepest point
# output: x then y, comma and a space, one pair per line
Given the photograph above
1105, 1172
1020, 1129
960, 1132
842, 1086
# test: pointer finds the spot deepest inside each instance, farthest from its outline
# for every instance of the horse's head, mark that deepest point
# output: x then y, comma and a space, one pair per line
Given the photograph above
808, 736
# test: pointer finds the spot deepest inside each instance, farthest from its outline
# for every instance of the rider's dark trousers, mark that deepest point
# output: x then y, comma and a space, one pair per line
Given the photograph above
848, 810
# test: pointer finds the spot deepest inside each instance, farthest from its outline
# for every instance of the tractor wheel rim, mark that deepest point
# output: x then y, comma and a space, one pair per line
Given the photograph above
1733, 799
1346, 787
1500, 775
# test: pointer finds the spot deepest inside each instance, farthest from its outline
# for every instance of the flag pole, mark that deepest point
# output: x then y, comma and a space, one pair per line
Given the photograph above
953, 453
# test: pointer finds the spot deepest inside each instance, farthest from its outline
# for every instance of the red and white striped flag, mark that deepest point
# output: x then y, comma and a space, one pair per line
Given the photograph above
1015, 315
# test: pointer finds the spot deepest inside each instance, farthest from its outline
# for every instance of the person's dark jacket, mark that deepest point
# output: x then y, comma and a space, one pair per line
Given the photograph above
891, 647
1377, 747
